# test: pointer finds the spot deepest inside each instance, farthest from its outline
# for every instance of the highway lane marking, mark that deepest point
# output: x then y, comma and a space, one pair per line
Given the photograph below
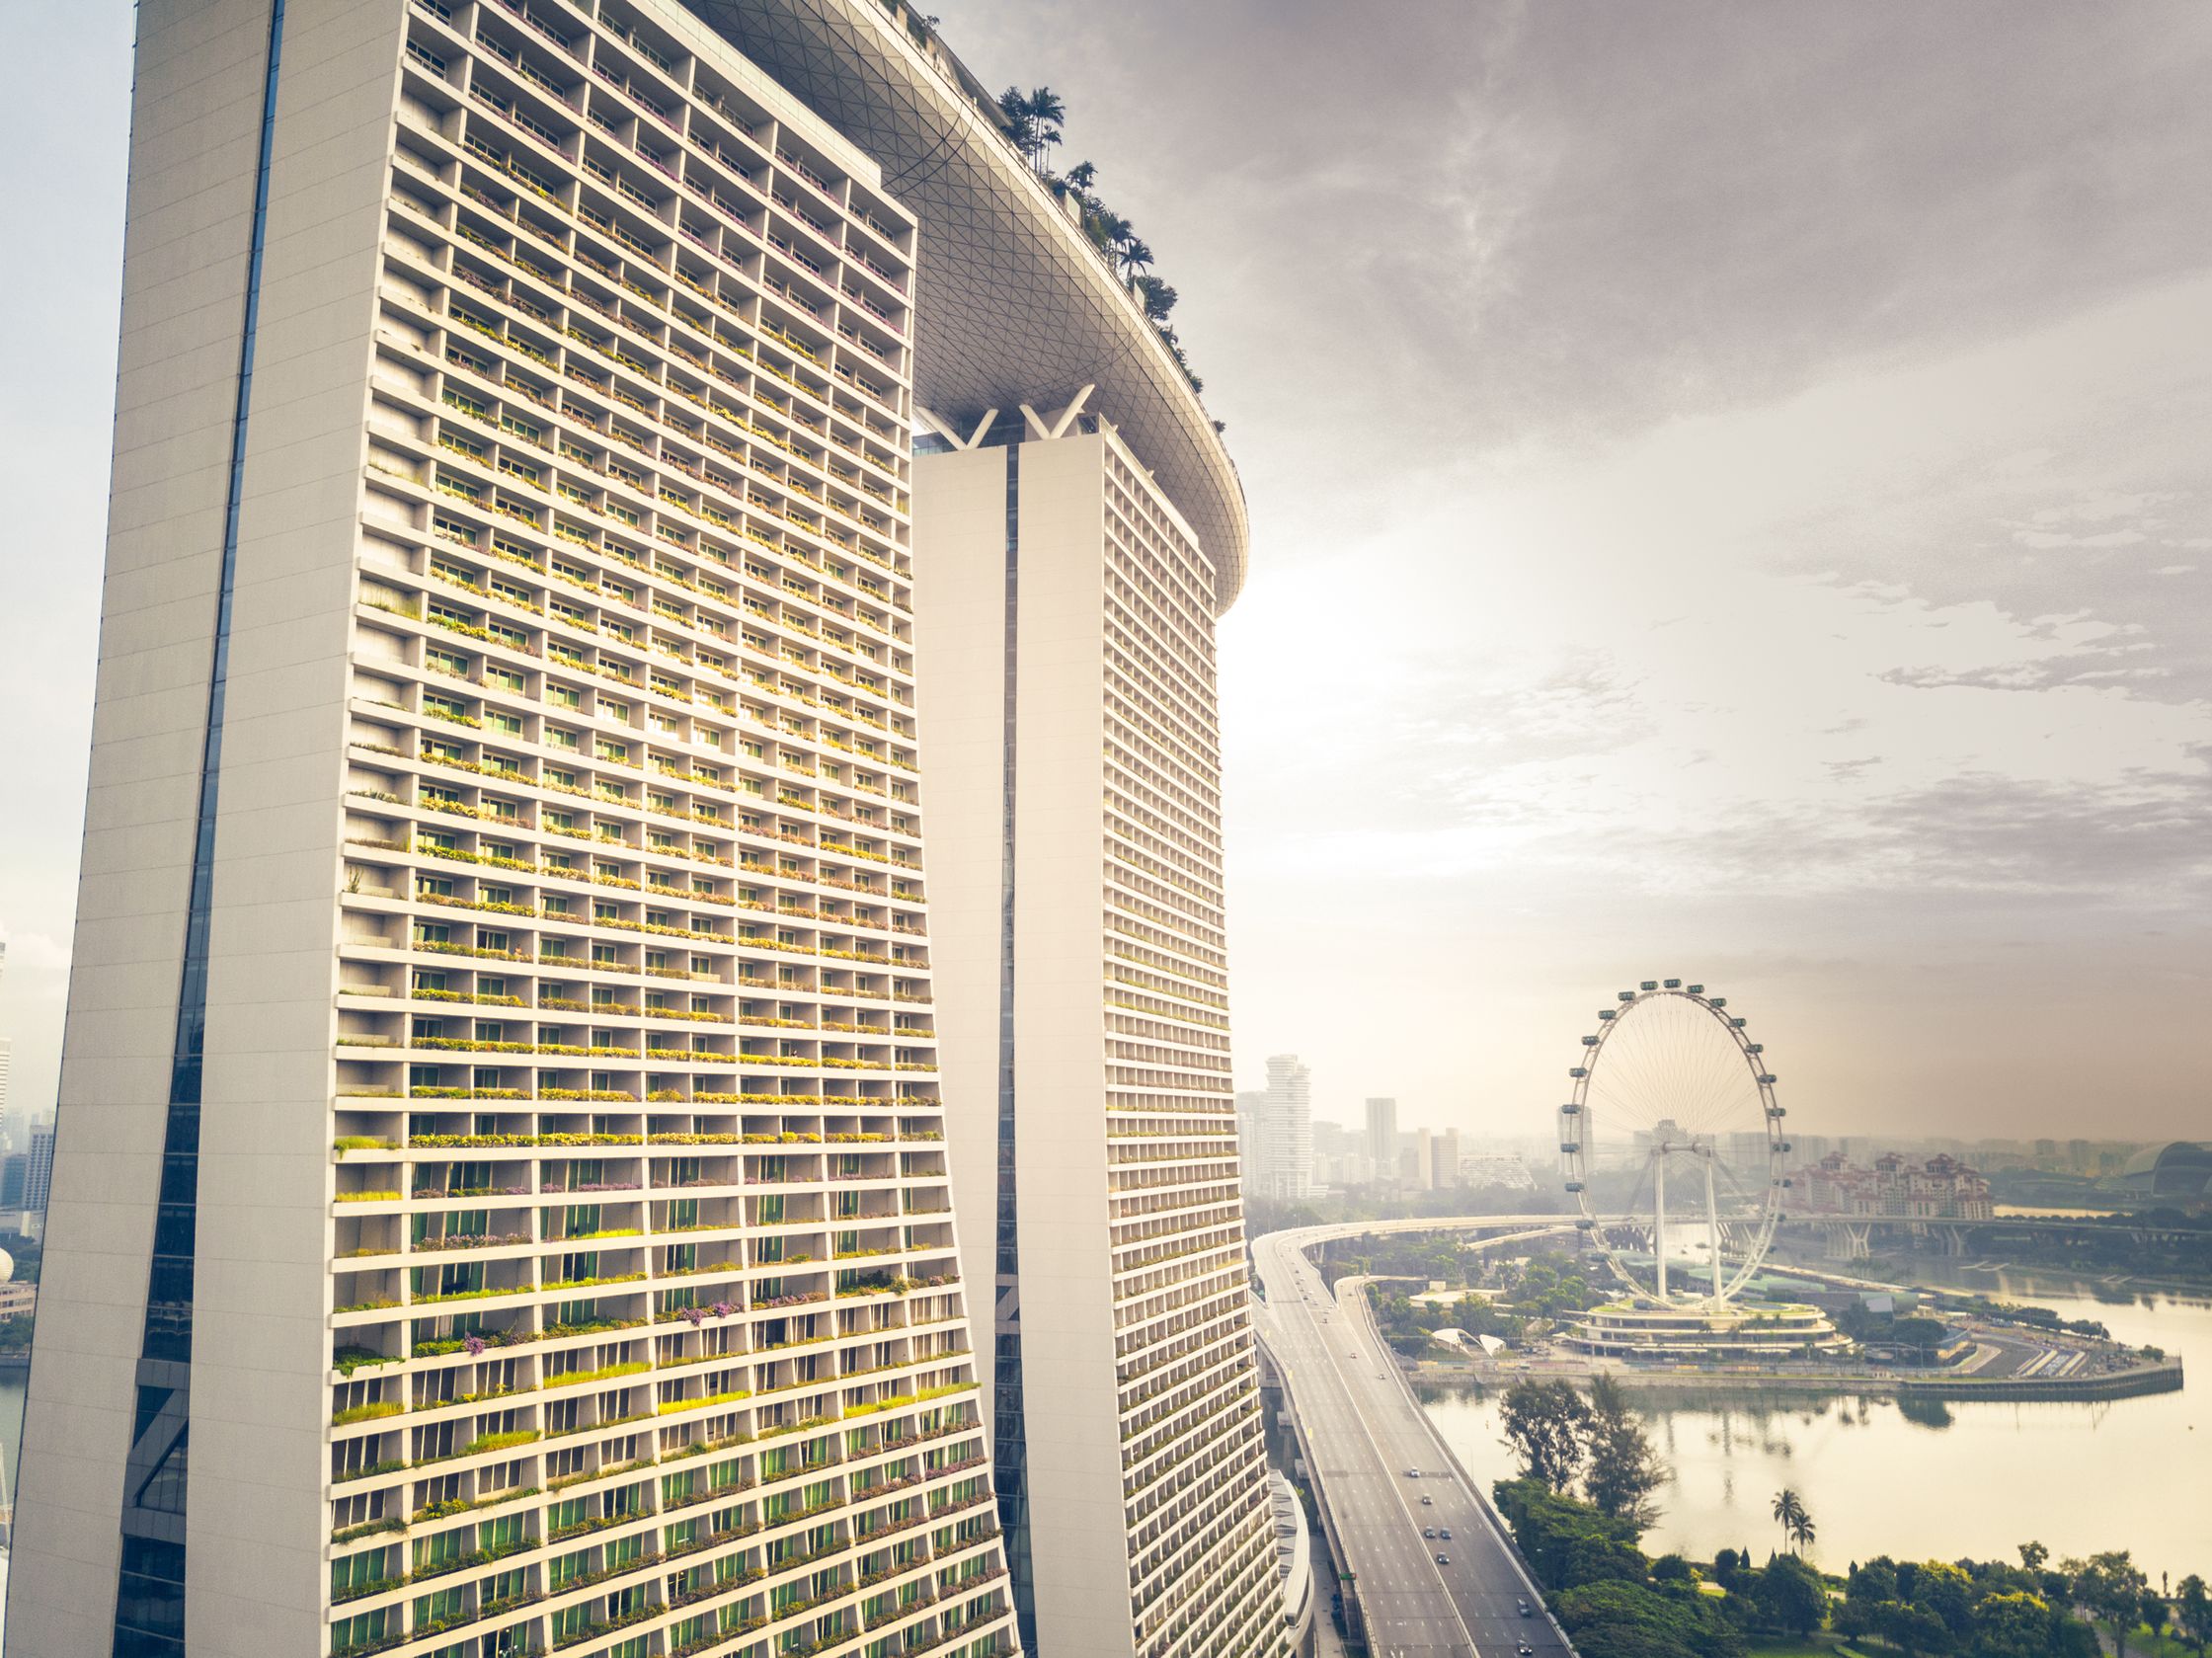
1443, 1584
1490, 1530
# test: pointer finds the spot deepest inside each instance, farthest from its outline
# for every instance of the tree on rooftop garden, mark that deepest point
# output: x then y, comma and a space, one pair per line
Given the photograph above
1032, 121
1156, 297
1047, 114
1106, 228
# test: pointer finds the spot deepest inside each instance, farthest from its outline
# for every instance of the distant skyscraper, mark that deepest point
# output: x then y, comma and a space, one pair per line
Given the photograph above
1382, 1136
1251, 1108
1444, 1159
1417, 1162
1287, 1129
37, 1178
7, 1066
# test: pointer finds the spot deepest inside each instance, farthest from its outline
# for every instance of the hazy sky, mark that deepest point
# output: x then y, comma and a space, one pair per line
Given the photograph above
1728, 499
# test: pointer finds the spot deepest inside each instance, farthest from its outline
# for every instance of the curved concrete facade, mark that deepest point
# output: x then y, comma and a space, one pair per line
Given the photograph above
1013, 304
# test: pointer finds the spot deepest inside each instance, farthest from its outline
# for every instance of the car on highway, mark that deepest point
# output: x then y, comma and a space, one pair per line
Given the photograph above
1446, 1534
1428, 1530
1525, 1650
1428, 1502
1444, 1559
1413, 1473
1526, 1611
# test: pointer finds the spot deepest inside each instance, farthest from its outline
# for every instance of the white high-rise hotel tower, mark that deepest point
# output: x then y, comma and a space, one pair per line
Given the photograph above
1082, 998
502, 1202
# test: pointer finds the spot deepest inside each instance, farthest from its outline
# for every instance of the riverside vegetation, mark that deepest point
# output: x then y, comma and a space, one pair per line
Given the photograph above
1587, 1495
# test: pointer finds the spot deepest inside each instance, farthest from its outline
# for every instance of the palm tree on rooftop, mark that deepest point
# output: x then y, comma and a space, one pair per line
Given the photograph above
1047, 114
1032, 121
1108, 229
1021, 127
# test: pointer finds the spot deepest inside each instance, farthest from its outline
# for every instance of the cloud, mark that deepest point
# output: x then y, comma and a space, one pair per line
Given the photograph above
32, 952
2145, 838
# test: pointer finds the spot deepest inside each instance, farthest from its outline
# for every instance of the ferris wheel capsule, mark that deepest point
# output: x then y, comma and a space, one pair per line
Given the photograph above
1648, 985
1674, 984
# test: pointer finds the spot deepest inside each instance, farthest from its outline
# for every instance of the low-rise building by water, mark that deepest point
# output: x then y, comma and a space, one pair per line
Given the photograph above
1648, 1330
1940, 1189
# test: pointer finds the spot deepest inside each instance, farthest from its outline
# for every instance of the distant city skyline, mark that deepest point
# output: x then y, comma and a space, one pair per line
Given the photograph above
1801, 531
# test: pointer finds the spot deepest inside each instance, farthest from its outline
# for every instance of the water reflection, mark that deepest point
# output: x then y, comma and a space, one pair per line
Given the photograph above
1926, 1413
1931, 1478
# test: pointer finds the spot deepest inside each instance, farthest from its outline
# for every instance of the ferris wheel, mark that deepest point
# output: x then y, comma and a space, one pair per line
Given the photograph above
1683, 1103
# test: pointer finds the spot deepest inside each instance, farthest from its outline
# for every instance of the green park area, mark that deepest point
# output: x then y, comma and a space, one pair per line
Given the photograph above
1585, 1499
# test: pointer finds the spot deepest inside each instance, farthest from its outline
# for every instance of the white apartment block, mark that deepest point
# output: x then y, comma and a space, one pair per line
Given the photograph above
506, 738
1064, 615
1287, 1130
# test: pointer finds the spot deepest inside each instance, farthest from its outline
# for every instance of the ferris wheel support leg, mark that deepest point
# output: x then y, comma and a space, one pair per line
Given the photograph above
1659, 1219
1712, 1227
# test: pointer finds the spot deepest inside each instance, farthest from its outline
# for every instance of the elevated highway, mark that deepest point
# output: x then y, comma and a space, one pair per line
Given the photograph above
1362, 1430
